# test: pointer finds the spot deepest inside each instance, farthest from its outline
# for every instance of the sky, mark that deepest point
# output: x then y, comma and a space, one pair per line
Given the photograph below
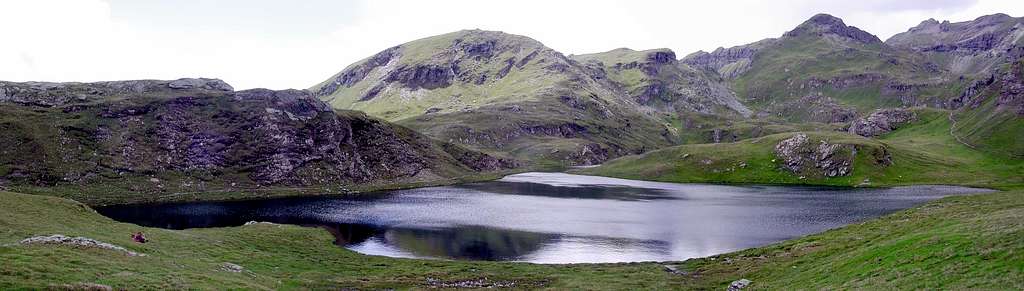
296, 44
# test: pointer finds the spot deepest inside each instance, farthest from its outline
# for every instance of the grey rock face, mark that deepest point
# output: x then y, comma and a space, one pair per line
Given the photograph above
285, 137
972, 47
1011, 91
423, 76
200, 83
728, 63
58, 239
353, 75
230, 267
46, 94
881, 121
814, 107
800, 156
738, 285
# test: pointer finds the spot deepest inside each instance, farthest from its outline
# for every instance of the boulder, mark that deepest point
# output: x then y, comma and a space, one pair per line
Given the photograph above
234, 268
738, 284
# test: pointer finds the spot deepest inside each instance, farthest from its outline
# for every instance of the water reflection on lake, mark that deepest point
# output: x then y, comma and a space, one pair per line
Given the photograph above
555, 217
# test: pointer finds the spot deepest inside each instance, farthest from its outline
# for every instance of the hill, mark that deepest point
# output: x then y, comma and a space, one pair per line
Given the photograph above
971, 48
920, 152
499, 93
148, 140
826, 71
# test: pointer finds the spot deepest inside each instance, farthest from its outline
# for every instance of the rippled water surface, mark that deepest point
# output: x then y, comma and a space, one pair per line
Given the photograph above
556, 218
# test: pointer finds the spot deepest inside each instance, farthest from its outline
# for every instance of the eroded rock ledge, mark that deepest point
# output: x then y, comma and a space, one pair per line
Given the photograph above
881, 122
800, 155
59, 239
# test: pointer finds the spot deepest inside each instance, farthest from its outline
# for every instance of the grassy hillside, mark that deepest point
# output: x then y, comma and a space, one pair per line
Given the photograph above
857, 76
954, 243
922, 153
110, 145
658, 82
499, 93
993, 120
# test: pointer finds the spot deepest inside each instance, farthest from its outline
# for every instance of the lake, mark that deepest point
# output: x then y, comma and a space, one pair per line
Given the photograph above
556, 217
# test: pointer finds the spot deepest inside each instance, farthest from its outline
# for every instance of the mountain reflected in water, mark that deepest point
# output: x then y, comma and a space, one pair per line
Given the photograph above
615, 192
555, 217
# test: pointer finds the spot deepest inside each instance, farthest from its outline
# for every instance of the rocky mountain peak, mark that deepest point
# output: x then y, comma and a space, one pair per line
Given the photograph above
993, 19
466, 56
931, 25
824, 24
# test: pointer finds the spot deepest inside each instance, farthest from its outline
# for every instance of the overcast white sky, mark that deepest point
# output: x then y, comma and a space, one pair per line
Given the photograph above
295, 44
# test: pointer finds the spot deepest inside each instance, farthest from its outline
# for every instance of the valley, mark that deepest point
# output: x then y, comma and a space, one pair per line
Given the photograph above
823, 158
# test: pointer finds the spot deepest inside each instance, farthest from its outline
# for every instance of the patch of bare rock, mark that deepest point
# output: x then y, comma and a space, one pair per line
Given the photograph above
82, 242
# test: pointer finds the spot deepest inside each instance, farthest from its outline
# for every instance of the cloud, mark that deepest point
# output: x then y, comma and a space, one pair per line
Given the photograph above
275, 44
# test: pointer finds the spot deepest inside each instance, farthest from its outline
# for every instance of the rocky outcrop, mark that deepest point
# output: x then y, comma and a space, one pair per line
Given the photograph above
1011, 90
728, 63
200, 83
80, 242
352, 75
667, 85
738, 285
975, 47
881, 122
590, 154
422, 76
218, 139
48, 94
814, 107
801, 156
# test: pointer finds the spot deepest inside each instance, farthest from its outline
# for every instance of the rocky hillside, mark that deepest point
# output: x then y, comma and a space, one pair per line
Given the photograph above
500, 93
157, 139
966, 48
993, 119
826, 71
511, 95
656, 80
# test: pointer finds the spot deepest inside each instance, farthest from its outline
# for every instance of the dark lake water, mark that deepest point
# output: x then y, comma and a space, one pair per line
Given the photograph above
555, 217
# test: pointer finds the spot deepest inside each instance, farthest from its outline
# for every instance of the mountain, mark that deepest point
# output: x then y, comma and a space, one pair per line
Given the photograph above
993, 119
970, 73
987, 51
500, 93
165, 140
966, 48
510, 95
825, 71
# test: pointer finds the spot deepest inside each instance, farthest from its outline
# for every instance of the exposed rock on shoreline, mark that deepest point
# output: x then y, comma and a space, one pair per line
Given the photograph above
800, 155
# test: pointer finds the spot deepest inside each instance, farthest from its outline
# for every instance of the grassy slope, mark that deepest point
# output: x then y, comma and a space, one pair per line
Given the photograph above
491, 116
990, 126
398, 104
958, 242
50, 144
779, 73
922, 153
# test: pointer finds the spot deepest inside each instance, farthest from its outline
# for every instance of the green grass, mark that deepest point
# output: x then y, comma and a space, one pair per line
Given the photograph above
85, 155
993, 127
922, 153
545, 90
783, 70
954, 243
